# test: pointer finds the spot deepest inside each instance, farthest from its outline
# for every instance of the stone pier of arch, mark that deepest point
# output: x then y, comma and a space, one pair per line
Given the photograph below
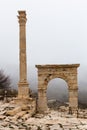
68, 72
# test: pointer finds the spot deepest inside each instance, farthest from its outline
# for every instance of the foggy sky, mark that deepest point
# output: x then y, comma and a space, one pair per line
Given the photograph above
56, 32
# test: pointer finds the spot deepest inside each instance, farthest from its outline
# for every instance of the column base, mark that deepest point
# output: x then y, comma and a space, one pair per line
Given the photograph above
42, 108
73, 111
25, 101
23, 90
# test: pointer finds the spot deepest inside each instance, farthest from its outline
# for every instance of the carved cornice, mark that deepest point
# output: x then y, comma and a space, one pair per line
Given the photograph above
57, 66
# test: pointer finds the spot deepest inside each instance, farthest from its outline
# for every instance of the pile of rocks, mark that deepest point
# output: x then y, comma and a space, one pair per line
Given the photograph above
82, 113
54, 120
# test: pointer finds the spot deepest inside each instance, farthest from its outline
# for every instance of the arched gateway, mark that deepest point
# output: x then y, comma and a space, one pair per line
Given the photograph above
67, 72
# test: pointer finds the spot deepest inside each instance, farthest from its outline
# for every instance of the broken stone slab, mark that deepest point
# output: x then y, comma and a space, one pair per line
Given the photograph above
13, 127
82, 127
56, 127
4, 124
83, 121
13, 112
22, 127
4, 105
85, 117
20, 114
7, 128
34, 121
1, 109
26, 116
14, 118
39, 115
44, 127
2, 112
8, 119
33, 127
2, 117
71, 126
25, 107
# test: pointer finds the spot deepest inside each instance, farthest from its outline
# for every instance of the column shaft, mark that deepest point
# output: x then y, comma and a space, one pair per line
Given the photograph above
23, 65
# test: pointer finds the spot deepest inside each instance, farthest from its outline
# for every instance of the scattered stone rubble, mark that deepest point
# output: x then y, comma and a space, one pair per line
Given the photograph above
54, 120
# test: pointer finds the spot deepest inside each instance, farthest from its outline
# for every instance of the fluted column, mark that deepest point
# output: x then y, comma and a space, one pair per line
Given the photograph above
23, 89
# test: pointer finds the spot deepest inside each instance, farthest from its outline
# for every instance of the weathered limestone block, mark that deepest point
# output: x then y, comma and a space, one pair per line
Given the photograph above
56, 127
14, 111
25, 107
20, 114
26, 116
2, 117
23, 91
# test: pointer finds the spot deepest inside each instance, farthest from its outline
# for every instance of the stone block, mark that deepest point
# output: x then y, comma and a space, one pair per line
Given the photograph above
13, 112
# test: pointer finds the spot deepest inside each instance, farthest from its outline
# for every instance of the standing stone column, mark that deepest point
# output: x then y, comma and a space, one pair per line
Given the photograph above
23, 89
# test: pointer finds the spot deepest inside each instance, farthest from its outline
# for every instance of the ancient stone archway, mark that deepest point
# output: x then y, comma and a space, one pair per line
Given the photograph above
67, 72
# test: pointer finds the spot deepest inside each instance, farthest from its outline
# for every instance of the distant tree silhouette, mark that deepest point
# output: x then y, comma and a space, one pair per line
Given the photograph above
4, 81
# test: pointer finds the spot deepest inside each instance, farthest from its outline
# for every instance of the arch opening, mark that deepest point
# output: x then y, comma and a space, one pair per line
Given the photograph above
57, 93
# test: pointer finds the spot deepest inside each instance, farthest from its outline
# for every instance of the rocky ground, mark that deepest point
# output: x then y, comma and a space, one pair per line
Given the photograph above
54, 120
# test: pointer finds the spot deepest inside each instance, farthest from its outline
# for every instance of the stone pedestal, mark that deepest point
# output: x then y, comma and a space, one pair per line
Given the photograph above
23, 90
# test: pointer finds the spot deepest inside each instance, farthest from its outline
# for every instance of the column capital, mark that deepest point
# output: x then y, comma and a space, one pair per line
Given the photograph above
22, 17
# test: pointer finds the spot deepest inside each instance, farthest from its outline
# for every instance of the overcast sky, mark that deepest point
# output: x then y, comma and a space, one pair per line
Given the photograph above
56, 31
